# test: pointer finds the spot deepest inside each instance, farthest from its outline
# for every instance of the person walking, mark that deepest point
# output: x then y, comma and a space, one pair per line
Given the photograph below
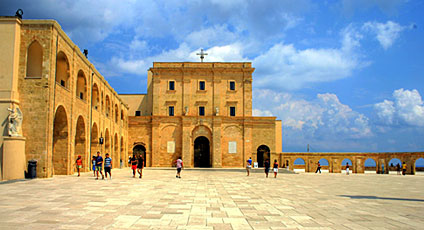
133, 161
275, 167
398, 168
404, 168
249, 166
78, 164
347, 168
267, 166
99, 163
140, 166
93, 161
318, 167
108, 166
179, 164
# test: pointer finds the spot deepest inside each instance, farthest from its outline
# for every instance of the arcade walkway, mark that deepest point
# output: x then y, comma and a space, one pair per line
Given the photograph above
214, 200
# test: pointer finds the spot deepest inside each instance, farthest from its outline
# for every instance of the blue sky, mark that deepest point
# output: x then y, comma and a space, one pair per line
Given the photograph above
342, 75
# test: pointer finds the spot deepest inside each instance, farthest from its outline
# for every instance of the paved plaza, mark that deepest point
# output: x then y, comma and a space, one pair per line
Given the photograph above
214, 199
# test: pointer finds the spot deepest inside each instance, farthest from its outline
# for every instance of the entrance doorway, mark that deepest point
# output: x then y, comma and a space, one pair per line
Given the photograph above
140, 150
263, 154
202, 152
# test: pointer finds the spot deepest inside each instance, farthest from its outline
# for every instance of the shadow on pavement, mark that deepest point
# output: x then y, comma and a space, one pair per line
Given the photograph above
381, 198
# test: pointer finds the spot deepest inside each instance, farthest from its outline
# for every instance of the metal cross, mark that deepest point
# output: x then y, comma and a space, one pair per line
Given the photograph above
202, 55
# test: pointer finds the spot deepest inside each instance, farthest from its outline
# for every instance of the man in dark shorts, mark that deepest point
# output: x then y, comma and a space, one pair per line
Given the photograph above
140, 166
267, 166
133, 161
99, 163
318, 167
108, 166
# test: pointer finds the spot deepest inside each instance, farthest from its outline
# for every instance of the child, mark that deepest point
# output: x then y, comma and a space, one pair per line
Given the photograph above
275, 168
108, 166
78, 162
133, 164
179, 164
93, 161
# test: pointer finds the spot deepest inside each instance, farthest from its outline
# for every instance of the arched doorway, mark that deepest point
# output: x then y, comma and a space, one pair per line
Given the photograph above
62, 70
202, 156
94, 141
263, 154
325, 165
419, 166
60, 142
140, 150
370, 166
80, 140
392, 166
299, 165
349, 162
35, 60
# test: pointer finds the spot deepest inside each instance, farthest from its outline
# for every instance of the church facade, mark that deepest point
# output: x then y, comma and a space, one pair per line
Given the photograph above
202, 112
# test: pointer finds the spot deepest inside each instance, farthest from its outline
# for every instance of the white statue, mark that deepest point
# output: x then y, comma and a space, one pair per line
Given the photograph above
217, 111
15, 122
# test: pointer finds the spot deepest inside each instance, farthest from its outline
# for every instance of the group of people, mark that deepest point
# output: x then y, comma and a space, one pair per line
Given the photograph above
97, 162
267, 166
137, 164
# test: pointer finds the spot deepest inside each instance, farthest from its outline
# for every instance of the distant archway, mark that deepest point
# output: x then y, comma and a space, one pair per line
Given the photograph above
370, 166
81, 86
80, 140
299, 165
202, 152
392, 166
34, 60
116, 113
123, 155
116, 153
325, 165
62, 70
94, 140
263, 154
60, 142
348, 161
419, 166
108, 111
140, 150
95, 95
107, 141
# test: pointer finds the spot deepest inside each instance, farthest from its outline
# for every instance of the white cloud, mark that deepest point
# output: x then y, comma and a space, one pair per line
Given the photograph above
325, 117
406, 108
386, 33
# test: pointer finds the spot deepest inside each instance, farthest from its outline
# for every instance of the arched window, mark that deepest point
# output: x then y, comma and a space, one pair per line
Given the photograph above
95, 94
107, 106
81, 86
34, 60
62, 70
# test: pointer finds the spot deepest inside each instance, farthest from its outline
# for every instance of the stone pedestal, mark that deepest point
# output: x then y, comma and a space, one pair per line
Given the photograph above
14, 162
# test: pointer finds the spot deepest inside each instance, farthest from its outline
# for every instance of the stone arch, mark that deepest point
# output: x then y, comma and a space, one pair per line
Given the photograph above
108, 108
116, 153
95, 95
202, 152
80, 141
81, 86
140, 149
122, 115
107, 142
391, 165
103, 102
349, 161
201, 130
34, 60
62, 69
116, 113
419, 165
370, 164
325, 164
94, 139
263, 153
60, 142
299, 164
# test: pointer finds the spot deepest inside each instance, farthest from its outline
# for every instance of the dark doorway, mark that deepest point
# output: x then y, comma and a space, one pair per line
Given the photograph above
263, 154
140, 150
202, 152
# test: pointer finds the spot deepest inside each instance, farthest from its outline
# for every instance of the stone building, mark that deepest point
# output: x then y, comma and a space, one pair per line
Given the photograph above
203, 113
66, 103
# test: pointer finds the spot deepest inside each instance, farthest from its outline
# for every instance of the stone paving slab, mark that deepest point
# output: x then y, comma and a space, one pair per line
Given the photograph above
214, 199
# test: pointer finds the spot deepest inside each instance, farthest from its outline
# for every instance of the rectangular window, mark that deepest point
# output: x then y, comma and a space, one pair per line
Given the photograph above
171, 110
201, 111
82, 96
137, 113
171, 85
232, 85
233, 111
201, 85
62, 83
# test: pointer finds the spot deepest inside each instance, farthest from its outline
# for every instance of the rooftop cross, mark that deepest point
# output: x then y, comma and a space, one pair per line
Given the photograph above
202, 55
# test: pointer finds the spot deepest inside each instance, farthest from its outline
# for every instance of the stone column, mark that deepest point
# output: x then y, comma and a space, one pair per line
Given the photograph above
155, 143
187, 143
216, 142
